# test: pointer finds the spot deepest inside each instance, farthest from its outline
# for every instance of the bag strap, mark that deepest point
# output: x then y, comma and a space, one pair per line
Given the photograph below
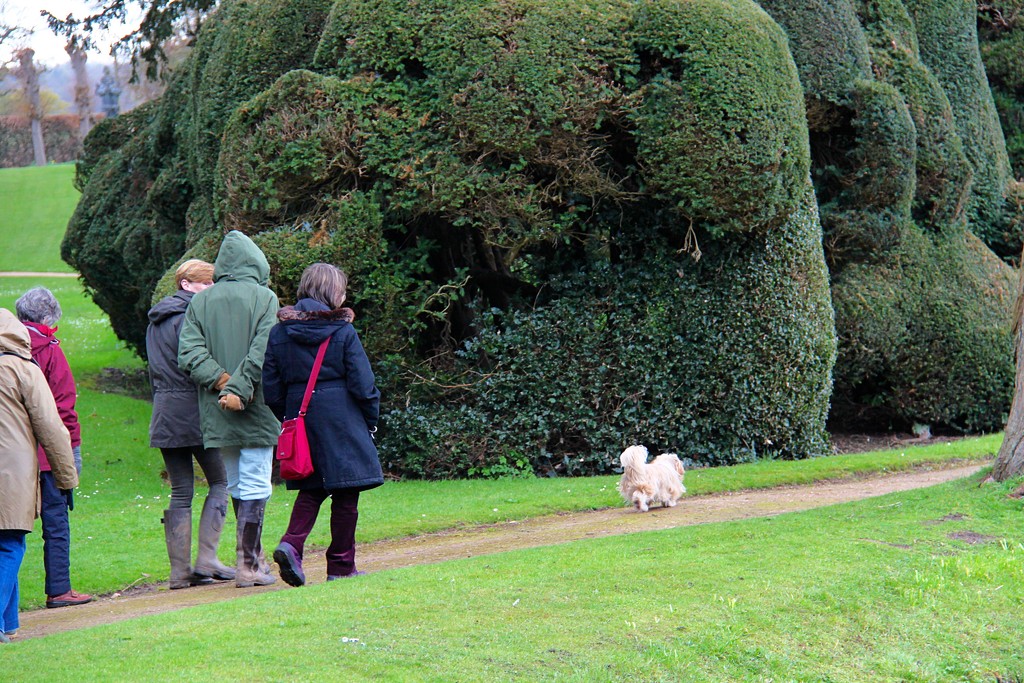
313, 375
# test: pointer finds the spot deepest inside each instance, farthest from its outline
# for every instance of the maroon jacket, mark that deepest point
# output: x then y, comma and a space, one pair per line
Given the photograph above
47, 353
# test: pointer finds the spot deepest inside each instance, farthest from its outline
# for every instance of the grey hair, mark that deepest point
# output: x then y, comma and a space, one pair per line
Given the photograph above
38, 305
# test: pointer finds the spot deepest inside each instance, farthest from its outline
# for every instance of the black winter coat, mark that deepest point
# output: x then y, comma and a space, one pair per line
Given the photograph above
175, 422
345, 404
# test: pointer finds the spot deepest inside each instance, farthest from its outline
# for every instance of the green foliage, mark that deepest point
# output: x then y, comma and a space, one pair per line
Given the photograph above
109, 135
829, 48
722, 101
949, 48
1001, 32
865, 180
943, 171
925, 338
463, 157
904, 141
723, 361
116, 239
246, 46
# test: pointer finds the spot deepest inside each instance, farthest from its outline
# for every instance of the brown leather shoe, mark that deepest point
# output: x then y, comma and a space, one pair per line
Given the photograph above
69, 599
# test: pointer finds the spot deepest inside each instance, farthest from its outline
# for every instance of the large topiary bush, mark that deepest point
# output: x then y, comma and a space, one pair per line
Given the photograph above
1001, 31
570, 225
909, 165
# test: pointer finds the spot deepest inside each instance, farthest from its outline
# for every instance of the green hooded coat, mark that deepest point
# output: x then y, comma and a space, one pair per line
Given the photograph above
225, 330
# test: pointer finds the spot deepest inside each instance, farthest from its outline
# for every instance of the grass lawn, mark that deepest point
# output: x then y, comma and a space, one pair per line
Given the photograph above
35, 206
925, 585
121, 496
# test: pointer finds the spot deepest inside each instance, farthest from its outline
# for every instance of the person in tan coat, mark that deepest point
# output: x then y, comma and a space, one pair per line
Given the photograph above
28, 418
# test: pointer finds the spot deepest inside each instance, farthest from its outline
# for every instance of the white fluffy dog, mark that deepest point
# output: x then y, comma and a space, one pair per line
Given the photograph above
644, 483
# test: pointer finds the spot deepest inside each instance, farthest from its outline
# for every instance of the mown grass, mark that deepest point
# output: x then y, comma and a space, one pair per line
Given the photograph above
872, 591
117, 539
122, 495
35, 205
878, 590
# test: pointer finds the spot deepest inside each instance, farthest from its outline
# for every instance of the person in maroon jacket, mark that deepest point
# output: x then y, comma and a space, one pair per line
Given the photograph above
39, 311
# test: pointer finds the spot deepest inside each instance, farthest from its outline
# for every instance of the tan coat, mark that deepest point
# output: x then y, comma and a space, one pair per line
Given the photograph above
28, 417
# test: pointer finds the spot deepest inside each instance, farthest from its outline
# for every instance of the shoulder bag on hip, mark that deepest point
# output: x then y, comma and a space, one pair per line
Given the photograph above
292, 445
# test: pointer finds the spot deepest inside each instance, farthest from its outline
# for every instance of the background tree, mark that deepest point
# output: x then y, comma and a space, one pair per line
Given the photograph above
14, 103
162, 20
1010, 460
83, 89
10, 33
28, 75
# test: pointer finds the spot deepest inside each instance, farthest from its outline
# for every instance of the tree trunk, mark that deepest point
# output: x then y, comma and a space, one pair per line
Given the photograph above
1010, 461
83, 93
29, 77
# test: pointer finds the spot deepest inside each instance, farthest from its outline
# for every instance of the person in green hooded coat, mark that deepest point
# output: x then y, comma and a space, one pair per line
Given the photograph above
222, 344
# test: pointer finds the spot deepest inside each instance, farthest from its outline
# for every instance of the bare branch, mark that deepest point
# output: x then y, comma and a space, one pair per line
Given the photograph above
161, 21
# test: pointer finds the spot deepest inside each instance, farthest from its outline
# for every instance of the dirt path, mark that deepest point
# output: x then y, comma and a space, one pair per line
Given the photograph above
484, 540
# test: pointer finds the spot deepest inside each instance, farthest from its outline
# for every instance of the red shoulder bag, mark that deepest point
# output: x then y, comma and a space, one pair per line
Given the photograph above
292, 444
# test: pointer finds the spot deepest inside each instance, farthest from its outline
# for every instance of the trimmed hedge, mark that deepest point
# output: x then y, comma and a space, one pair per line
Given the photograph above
116, 240
722, 361
949, 47
925, 337
908, 166
1001, 32
60, 137
569, 225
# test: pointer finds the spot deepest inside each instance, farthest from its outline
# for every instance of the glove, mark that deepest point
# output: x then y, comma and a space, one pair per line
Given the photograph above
77, 450
221, 381
69, 498
231, 402
348, 315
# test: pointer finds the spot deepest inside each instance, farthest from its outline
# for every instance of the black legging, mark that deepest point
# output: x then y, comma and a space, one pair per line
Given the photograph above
179, 469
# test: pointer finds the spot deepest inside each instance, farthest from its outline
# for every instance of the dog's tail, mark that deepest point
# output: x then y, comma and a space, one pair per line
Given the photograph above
633, 458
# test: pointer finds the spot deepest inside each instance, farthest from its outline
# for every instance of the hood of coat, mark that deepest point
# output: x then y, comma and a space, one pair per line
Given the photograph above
170, 306
310, 322
240, 259
14, 336
40, 336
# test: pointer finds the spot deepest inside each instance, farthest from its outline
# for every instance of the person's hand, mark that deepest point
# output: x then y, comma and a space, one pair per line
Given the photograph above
221, 381
69, 498
77, 450
231, 402
348, 315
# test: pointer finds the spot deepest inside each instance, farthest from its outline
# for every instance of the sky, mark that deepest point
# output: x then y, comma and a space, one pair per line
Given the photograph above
50, 48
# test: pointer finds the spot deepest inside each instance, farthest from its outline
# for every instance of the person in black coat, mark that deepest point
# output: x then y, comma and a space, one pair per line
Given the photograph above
340, 419
174, 429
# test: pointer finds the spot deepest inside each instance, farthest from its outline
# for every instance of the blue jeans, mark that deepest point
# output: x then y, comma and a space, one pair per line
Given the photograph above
249, 471
56, 536
12, 552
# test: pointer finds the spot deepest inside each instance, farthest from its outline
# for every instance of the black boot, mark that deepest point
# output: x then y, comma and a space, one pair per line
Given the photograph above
178, 534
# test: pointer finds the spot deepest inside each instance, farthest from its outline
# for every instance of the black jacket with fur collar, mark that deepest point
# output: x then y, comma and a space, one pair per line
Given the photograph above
345, 404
